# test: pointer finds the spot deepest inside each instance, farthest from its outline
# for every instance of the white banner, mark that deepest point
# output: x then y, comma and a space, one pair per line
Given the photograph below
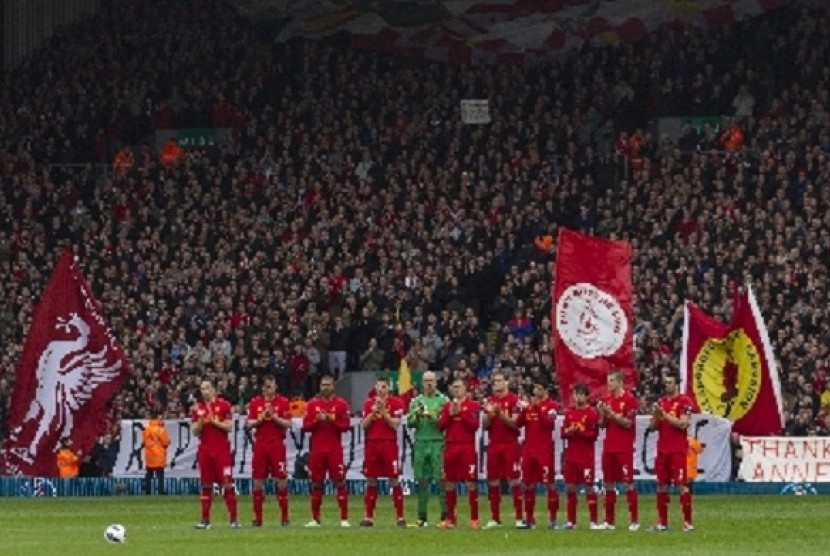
475, 111
774, 459
714, 464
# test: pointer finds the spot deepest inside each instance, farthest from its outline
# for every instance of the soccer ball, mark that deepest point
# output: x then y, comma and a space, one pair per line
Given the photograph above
115, 534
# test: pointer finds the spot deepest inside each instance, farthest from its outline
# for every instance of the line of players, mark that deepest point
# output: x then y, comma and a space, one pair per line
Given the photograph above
445, 449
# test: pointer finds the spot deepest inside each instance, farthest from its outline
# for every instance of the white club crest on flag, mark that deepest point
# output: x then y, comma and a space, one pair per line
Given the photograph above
591, 322
70, 367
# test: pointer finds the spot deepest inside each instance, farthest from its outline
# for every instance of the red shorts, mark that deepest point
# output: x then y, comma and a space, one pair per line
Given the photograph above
578, 473
670, 468
618, 467
269, 462
215, 468
537, 467
381, 460
326, 462
503, 462
460, 463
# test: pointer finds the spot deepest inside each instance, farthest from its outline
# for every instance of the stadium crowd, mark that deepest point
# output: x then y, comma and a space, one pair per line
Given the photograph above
349, 219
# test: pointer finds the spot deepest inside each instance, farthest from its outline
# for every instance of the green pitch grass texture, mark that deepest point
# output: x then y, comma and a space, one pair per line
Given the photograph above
795, 525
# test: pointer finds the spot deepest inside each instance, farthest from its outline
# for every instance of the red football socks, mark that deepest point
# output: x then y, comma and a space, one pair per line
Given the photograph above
633, 505
259, 496
316, 502
452, 499
572, 507
230, 502
370, 500
494, 495
610, 506
397, 500
591, 497
282, 500
530, 504
206, 498
343, 502
472, 496
516, 491
686, 504
553, 504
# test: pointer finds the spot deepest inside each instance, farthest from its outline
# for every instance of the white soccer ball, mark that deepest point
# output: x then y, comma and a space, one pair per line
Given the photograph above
115, 534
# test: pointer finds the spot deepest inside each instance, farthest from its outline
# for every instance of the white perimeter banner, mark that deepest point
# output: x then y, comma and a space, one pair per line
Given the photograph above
773, 459
714, 464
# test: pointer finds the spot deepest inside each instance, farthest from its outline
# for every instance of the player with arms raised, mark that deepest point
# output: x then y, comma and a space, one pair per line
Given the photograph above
618, 414
327, 418
211, 422
382, 416
670, 418
580, 429
538, 417
459, 423
269, 416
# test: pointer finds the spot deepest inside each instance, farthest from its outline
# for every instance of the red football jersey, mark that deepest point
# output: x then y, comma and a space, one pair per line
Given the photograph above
460, 428
580, 446
618, 438
325, 435
213, 438
499, 432
672, 439
269, 431
539, 420
379, 430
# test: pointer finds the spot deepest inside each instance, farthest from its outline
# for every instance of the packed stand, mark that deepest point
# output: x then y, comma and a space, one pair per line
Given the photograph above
350, 219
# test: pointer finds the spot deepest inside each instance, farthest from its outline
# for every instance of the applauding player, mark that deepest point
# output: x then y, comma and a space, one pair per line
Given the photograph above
501, 411
327, 418
211, 423
269, 415
381, 418
538, 417
459, 423
429, 443
580, 429
670, 418
618, 414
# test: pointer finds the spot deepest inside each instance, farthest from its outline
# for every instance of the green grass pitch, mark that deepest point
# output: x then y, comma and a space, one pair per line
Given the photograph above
164, 525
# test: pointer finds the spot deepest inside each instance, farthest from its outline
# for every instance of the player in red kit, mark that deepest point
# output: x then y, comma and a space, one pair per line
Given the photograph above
580, 429
538, 417
211, 423
327, 418
459, 423
670, 418
269, 415
501, 411
618, 414
382, 416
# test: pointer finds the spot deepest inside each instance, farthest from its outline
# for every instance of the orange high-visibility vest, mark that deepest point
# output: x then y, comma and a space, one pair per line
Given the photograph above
156, 441
68, 464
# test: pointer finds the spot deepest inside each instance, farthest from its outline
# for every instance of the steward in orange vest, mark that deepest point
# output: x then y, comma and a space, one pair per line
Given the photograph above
69, 462
156, 441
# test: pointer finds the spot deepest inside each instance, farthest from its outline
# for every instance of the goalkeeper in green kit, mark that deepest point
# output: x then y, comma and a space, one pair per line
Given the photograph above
429, 443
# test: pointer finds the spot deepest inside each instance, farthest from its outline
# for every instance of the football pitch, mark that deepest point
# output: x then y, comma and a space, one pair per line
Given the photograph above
752, 524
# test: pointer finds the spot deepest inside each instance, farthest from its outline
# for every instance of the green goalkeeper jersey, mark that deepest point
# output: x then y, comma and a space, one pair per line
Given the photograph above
423, 416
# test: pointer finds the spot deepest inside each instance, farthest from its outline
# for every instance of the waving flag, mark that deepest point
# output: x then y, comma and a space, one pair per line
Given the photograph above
70, 367
729, 369
592, 306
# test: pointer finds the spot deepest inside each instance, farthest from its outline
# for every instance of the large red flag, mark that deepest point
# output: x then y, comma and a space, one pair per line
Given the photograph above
70, 367
592, 312
729, 370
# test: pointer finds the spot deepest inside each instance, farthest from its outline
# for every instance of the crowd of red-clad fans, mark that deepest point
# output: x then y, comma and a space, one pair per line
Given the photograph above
349, 219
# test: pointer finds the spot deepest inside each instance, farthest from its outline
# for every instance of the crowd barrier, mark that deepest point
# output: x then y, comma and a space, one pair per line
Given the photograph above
48, 487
